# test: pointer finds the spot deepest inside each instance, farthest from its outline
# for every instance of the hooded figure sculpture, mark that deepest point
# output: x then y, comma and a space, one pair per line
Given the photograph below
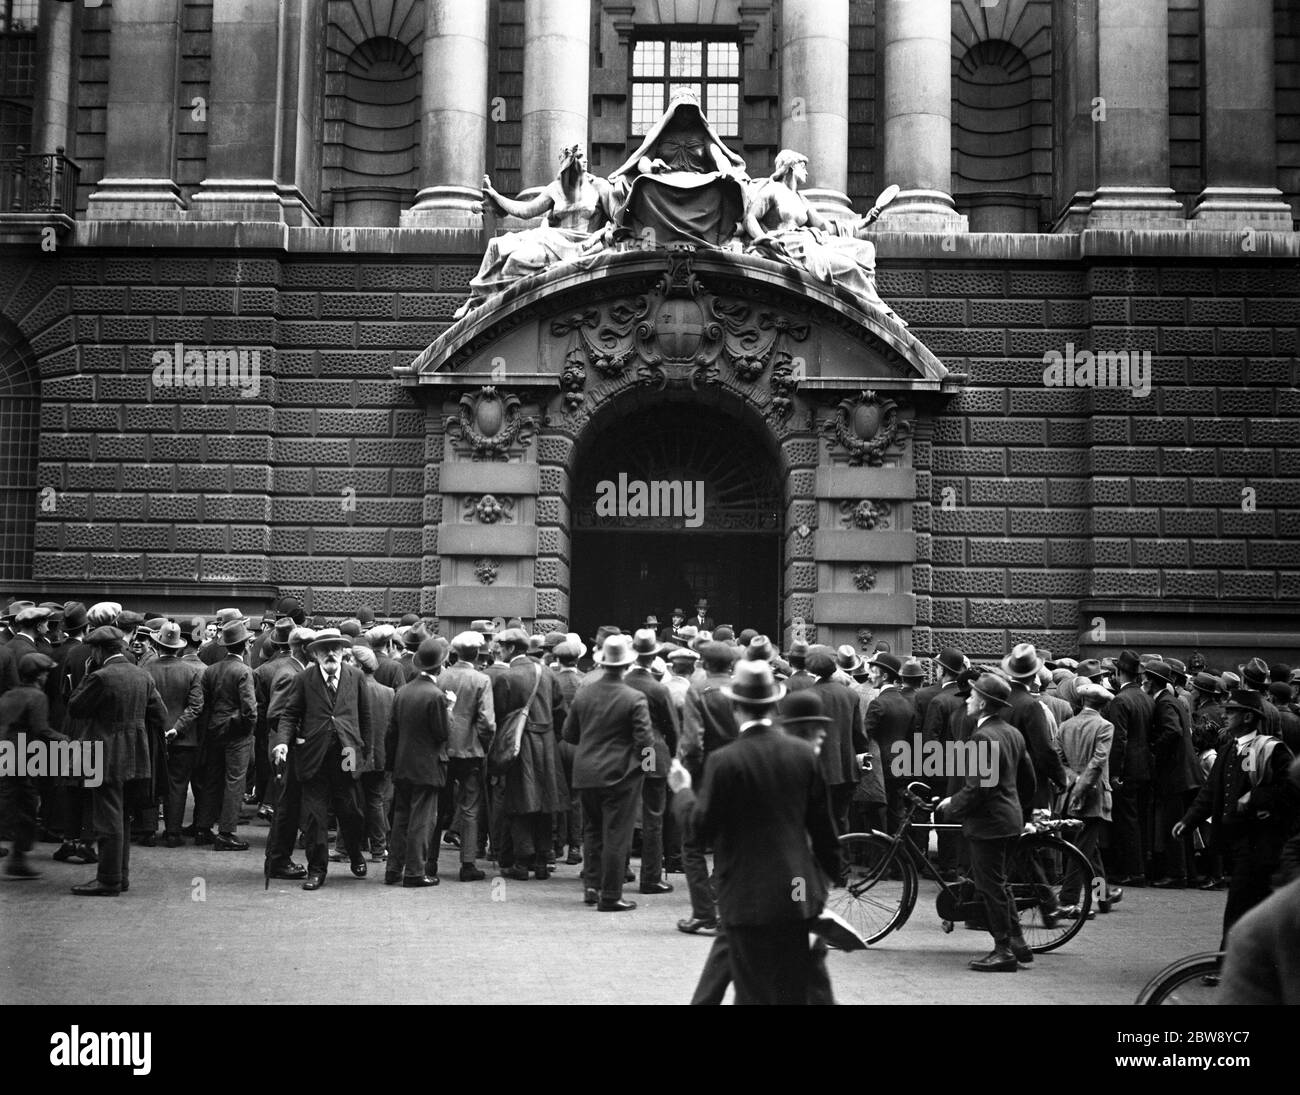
683, 185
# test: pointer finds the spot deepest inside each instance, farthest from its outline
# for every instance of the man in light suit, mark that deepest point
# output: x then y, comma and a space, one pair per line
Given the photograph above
610, 725
326, 719
764, 807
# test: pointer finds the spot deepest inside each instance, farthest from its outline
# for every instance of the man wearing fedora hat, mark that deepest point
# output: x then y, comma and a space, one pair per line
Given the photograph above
1131, 712
1251, 802
609, 722
1176, 775
1254, 676
1030, 717
654, 788
992, 817
764, 807
117, 704
672, 633
325, 735
702, 620
180, 684
229, 724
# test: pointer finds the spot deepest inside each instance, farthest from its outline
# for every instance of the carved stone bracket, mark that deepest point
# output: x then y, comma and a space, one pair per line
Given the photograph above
864, 577
865, 638
865, 426
865, 515
488, 509
486, 570
491, 423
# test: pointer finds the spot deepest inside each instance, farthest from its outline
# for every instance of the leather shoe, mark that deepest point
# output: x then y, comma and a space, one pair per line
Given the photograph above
227, 842
1213, 884
590, 897
615, 906
1074, 912
292, 873
96, 888
392, 879
656, 887
205, 836
421, 880
1134, 881
998, 960
1114, 895
1051, 916
359, 868
573, 858
541, 872
1169, 884
149, 840
697, 924
1022, 952
518, 873
172, 840
470, 873
65, 851
314, 881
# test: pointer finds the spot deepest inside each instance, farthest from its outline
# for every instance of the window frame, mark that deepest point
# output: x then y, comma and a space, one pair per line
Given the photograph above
691, 35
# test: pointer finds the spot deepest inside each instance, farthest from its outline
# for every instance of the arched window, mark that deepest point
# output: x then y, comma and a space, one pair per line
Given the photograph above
20, 421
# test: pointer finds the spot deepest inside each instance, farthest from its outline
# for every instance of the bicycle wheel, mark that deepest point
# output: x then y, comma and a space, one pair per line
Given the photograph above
880, 891
1180, 982
1037, 869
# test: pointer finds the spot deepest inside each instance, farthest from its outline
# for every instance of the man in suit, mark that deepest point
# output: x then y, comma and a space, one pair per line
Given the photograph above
672, 633
610, 725
702, 621
1177, 776
376, 784
473, 724
654, 788
230, 722
118, 705
327, 719
1027, 715
763, 806
992, 817
415, 754
274, 664
846, 740
890, 718
1130, 712
287, 799
180, 684
936, 725
24, 711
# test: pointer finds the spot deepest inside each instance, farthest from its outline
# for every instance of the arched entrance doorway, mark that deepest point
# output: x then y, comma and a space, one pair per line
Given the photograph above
675, 498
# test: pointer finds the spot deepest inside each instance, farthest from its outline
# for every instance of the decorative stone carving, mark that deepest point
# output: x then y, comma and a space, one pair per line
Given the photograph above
865, 638
865, 515
491, 423
866, 425
573, 380
864, 577
489, 509
485, 570
677, 333
785, 382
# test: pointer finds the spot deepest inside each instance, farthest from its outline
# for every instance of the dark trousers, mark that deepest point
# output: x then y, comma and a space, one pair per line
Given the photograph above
775, 964
716, 975
225, 777
284, 823
499, 823
1088, 841
841, 802
530, 834
332, 787
1248, 883
377, 789
654, 801
704, 898
180, 772
1176, 851
264, 775
609, 814
415, 809
110, 821
988, 860
462, 798
19, 802
1131, 818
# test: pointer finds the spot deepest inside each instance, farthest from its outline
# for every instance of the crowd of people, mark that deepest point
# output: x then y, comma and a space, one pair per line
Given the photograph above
659, 743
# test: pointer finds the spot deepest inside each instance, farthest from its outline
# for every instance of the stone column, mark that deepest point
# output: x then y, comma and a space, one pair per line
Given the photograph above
1240, 169
557, 67
815, 97
917, 42
243, 113
1132, 125
455, 104
53, 106
139, 159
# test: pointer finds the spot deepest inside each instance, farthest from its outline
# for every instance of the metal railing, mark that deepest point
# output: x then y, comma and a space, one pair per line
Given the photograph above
39, 182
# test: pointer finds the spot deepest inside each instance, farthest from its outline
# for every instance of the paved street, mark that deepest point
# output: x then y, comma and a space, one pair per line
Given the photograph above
534, 943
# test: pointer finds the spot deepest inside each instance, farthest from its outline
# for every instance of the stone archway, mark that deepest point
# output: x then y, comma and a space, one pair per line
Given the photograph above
838, 395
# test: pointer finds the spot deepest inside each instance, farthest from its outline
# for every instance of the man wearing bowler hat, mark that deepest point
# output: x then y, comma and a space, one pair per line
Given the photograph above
609, 723
845, 742
764, 808
992, 817
1252, 803
702, 620
180, 684
325, 735
1131, 712
1176, 775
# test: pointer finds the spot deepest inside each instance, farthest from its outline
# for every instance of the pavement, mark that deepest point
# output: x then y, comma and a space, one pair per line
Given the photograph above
197, 927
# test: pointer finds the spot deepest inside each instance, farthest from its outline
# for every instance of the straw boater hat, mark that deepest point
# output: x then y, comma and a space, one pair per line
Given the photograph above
753, 683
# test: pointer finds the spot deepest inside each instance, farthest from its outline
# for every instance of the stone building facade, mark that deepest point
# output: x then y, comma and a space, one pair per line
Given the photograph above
296, 185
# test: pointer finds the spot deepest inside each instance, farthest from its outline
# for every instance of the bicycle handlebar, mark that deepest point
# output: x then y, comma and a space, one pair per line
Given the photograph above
928, 804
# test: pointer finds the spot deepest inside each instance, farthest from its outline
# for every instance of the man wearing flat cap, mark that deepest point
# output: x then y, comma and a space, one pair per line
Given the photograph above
325, 734
29, 631
992, 817
1131, 713
117, 704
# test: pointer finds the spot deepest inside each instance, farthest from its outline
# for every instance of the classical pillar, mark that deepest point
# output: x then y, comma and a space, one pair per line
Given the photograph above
243, 113
52, 109
144, 48
455, 113
815, 97
1240, 168
918, 116
557, 67
1132, 117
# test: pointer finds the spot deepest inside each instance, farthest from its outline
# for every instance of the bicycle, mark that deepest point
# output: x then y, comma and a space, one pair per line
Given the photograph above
1184, 981
881, 882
